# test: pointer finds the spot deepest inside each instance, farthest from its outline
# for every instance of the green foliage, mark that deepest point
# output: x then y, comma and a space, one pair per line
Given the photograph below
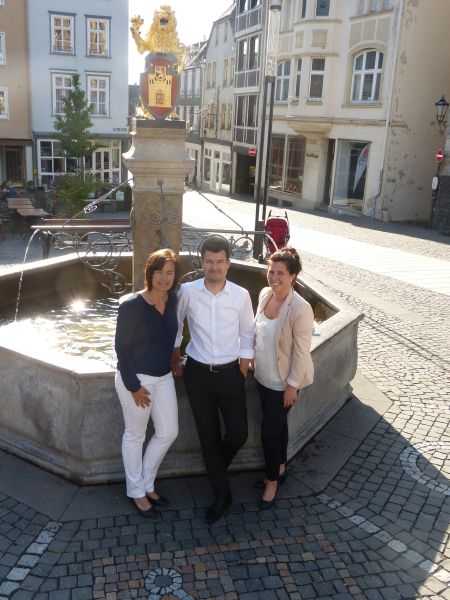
73, 126
72, 192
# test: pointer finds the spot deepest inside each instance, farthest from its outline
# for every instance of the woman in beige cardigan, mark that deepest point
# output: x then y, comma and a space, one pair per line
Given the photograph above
283, 364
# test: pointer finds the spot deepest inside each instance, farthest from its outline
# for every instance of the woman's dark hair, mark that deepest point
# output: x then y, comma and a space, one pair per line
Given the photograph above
215, 243
290, 257
156, 261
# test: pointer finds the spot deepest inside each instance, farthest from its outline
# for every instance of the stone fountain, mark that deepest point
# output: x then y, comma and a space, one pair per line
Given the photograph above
61, 412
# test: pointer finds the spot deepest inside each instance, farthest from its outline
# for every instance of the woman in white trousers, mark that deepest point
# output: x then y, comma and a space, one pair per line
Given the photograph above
145, 336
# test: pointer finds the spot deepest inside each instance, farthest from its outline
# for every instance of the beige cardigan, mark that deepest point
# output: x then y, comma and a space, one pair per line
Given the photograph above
293, 338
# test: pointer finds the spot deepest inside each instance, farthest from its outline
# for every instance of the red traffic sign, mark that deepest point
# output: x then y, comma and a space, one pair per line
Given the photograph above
440, 155
252, 151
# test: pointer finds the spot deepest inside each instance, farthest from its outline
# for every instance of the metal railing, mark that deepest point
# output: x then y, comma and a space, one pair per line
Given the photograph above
249, 19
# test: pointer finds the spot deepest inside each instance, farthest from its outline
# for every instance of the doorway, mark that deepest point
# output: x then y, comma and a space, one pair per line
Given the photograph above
245, 174
329, 172
14, 158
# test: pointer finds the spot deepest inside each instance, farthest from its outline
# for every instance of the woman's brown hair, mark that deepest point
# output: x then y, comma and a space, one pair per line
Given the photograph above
290, 257
156, 261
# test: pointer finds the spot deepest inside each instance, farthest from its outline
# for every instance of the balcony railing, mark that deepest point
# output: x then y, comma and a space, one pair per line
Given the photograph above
245, 135
249, 19
246, 79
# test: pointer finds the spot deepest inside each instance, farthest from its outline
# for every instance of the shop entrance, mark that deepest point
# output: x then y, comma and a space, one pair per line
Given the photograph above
245, 174
351, 170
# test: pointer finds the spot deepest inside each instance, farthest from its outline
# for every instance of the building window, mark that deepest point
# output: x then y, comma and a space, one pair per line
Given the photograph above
245, 5
282, 83
253, 53
304, 6
366, 81
246, 119
52, 161
62, 85
317, 77
98, 94
223, 114
62, 31
225, 31
104, 163
242, 55
229, 116
98, 36
2, 48
213, 74
298, 77
287, 164
4, 109
322, 8
225, 72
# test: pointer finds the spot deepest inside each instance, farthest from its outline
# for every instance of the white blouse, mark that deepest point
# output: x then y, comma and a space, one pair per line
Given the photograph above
266, 365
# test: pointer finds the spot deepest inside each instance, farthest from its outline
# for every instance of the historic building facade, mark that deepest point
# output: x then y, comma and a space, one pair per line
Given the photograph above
248, 81
217, 106
189, 106
88, 38
15, 126
354, 125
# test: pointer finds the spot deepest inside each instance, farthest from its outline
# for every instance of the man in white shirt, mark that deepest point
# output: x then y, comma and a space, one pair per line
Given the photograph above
221, 325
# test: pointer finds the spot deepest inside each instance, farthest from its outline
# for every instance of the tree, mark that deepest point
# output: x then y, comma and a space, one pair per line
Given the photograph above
74, 136
73, 126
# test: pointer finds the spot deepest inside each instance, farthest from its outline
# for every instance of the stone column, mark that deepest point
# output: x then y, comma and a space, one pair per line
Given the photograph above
157, 160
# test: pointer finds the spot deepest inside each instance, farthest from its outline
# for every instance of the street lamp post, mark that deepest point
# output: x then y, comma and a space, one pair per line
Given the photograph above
441, 119
265, 141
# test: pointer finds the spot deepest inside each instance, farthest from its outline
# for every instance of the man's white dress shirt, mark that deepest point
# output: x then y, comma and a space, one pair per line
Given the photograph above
221, 325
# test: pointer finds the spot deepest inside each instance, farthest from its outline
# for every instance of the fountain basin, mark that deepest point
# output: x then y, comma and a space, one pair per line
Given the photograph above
62, 412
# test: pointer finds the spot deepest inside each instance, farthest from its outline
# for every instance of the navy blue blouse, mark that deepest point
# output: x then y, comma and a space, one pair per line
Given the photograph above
144, 339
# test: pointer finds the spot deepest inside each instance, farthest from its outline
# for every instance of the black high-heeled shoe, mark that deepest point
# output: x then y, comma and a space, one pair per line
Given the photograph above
268, 504
260, 484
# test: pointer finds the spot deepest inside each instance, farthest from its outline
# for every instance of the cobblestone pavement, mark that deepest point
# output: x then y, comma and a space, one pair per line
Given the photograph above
379, 531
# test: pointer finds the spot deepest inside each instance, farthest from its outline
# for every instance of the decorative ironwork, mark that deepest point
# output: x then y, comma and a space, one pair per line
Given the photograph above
101, 252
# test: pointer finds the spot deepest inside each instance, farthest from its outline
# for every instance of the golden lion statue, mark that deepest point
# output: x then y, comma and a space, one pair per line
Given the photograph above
162, 35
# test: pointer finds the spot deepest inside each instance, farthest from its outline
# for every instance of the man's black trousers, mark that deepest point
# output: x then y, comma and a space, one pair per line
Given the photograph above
211, 394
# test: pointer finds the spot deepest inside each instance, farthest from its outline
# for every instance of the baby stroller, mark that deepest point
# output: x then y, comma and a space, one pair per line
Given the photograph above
277, 230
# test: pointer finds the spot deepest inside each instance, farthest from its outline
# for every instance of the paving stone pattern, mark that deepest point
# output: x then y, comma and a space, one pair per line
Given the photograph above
379, 531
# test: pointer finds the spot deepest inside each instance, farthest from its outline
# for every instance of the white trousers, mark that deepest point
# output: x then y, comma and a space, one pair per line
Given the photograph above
140, 472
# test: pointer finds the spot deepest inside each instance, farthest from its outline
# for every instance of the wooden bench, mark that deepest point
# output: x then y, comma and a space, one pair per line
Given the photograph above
24, 207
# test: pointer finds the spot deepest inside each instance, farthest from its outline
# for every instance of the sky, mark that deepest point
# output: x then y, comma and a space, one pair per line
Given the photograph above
194, 20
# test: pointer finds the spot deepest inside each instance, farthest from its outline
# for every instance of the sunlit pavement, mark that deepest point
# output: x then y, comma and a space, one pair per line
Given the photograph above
364, 514
352, 248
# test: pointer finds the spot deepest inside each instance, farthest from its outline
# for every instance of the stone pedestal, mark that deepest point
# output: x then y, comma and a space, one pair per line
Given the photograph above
157, 160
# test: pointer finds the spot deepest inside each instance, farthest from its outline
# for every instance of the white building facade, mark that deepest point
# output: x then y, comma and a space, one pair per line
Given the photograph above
88, 38
351, 129
248, 83
188, 108
217, 106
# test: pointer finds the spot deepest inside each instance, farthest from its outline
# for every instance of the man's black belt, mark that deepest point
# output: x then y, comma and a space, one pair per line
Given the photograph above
215, 368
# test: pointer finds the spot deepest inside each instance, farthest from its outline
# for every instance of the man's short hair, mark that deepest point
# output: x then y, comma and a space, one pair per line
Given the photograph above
216, 243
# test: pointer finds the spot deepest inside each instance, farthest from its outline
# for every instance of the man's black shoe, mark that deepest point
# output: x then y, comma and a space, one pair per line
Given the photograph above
218, 509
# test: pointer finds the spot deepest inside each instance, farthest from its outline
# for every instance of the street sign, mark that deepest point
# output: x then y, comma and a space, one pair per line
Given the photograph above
440, 155
252, 151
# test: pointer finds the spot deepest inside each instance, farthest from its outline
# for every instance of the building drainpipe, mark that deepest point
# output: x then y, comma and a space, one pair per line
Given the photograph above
390, 105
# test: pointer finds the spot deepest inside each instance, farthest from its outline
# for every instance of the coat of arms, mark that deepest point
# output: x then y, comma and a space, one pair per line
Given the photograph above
159, 83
